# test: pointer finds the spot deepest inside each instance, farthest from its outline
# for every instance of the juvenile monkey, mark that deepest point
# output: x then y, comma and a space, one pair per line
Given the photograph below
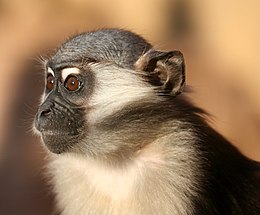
122, 140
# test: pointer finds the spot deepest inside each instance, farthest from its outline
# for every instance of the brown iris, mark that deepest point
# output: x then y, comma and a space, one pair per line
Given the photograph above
72, 83
50, 82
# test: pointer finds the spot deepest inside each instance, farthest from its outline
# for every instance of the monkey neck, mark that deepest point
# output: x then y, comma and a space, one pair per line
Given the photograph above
130, 179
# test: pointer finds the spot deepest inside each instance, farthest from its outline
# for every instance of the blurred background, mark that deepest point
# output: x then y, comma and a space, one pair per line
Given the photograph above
220, 41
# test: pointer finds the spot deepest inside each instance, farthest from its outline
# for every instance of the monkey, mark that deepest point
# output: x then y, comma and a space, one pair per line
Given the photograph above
123, 138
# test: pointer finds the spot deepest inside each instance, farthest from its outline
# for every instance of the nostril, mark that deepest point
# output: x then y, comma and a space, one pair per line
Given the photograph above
45, 113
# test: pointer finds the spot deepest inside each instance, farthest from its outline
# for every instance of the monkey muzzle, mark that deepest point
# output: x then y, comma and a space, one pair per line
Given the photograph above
60, 125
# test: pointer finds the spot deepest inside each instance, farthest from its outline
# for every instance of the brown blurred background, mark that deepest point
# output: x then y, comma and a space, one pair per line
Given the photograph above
220, 41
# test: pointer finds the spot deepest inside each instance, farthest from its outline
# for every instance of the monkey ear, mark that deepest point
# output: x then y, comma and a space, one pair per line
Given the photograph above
166, 70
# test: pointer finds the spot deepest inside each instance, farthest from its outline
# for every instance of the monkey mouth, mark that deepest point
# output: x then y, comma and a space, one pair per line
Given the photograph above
59, 137
55, 130
55, 133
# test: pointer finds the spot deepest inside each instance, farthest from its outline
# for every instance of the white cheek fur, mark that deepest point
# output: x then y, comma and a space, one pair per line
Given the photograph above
114, 90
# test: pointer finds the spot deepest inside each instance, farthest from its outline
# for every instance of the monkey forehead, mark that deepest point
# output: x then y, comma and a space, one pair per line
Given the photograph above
113, 45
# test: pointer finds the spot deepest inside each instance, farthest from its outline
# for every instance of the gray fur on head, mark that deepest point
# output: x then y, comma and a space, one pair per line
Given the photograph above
119, 46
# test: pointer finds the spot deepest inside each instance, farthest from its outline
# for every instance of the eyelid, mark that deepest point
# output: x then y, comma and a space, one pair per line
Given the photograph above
50, 71
65, 73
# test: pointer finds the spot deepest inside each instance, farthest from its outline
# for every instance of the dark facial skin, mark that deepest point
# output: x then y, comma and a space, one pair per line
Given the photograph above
60, 119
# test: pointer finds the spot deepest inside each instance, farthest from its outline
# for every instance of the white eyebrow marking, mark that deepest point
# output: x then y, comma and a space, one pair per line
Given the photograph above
67, 71
49, 70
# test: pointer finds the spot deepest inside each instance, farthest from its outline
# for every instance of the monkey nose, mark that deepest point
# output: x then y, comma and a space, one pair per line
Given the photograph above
43, 116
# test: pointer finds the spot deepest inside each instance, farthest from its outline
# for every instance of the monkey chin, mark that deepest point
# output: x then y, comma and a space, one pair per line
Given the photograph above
58, 143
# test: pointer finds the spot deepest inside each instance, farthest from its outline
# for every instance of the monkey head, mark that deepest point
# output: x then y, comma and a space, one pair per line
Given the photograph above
96, 85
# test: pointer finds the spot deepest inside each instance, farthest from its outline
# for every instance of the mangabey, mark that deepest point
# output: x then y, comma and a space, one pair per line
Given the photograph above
124, 143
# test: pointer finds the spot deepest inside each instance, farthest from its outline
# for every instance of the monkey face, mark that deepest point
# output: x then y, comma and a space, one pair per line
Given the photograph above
93, 83
61, 117
78, 102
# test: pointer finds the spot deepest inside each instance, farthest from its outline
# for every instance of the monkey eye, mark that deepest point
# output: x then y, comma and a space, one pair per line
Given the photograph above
72, 83
50, 82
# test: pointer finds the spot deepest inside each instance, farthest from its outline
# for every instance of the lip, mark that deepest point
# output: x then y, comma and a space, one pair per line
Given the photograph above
53, 133
57, 133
